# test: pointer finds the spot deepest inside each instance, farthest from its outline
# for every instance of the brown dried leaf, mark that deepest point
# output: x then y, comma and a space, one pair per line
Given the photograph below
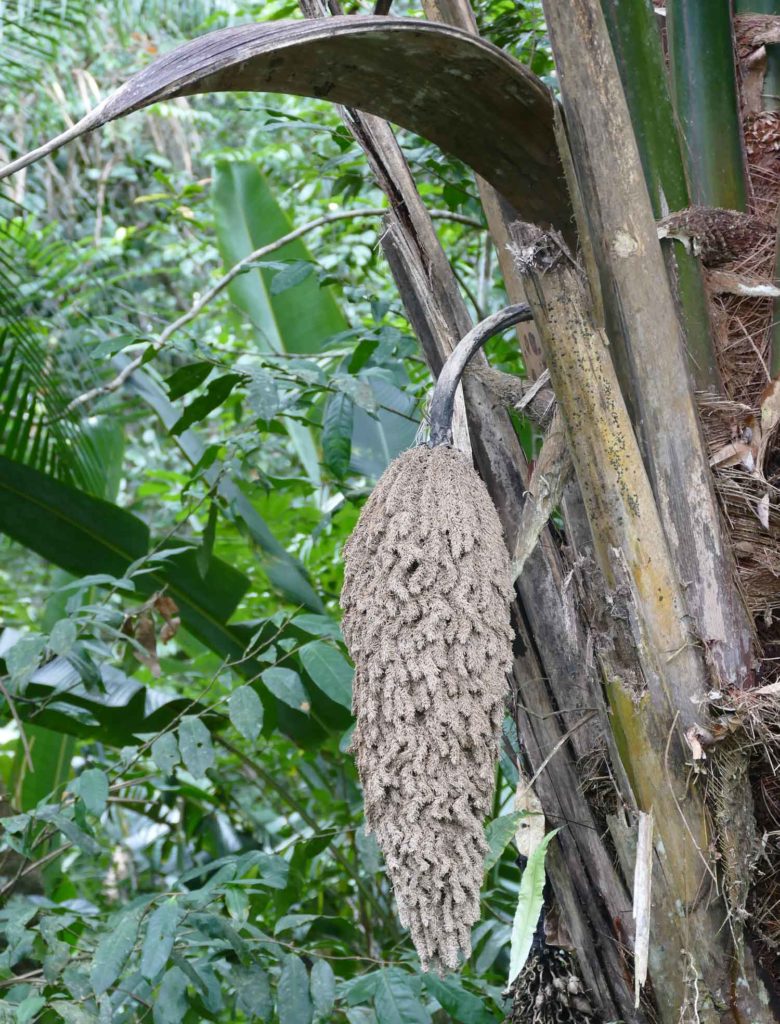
753, 72
166, 606
693, 741
643, 878
765, 690
375, 64
170, 629
770, 405
732, 454
145, 635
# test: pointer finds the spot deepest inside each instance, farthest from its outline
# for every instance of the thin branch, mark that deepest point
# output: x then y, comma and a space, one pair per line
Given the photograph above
200, 304
22, 734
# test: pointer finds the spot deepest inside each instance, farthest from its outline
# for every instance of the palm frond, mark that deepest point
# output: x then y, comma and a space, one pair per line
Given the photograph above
34, 371
31, 33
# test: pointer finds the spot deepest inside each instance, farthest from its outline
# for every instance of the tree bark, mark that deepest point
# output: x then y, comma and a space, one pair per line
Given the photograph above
640, 308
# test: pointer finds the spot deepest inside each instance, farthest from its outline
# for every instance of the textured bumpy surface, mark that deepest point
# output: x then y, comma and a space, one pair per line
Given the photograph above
548, 990
426, 618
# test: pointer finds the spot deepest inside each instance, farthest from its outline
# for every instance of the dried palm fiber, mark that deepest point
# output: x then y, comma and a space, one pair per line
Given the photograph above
426, 619
718, 236
548, 990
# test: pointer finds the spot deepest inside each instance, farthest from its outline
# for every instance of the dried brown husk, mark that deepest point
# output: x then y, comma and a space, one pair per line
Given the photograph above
426, 619
549, 990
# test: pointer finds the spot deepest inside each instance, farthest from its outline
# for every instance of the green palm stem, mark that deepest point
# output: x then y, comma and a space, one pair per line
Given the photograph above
636, 41
770, 100
704, 94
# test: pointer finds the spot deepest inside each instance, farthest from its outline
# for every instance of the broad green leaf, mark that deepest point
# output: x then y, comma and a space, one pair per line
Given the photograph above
186, 379
165, 752
337, 425
113, 950
330, 670
195, 745
62, 636
499, 936
286, 684
76, 835
73, 1013
293, 274
396, 1002
369, 851
170, 1003
158, 943
203, 555
262, 395
247, 217
376, 440
293, 1003
237, 903
358, 389
460, 1005
246, 712
253, 992
51, 754
92, 787
284, 572
360, 1015
216, 927
29, 1008
529, 905
216, 393
83, 534
498, 833
68, 527
293, 921
24, 657
318, 625
323, 988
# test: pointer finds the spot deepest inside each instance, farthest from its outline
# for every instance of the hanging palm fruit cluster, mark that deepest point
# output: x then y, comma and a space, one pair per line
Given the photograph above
426, 619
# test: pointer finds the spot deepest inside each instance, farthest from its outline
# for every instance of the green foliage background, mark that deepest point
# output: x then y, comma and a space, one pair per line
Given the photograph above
182, 836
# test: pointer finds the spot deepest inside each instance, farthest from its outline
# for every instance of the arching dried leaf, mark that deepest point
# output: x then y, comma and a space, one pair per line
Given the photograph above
477, 102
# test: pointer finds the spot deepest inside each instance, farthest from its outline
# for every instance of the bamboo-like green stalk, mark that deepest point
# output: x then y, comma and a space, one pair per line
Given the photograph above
770, 100
639, 305
704, 94
756, 7
635, 38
